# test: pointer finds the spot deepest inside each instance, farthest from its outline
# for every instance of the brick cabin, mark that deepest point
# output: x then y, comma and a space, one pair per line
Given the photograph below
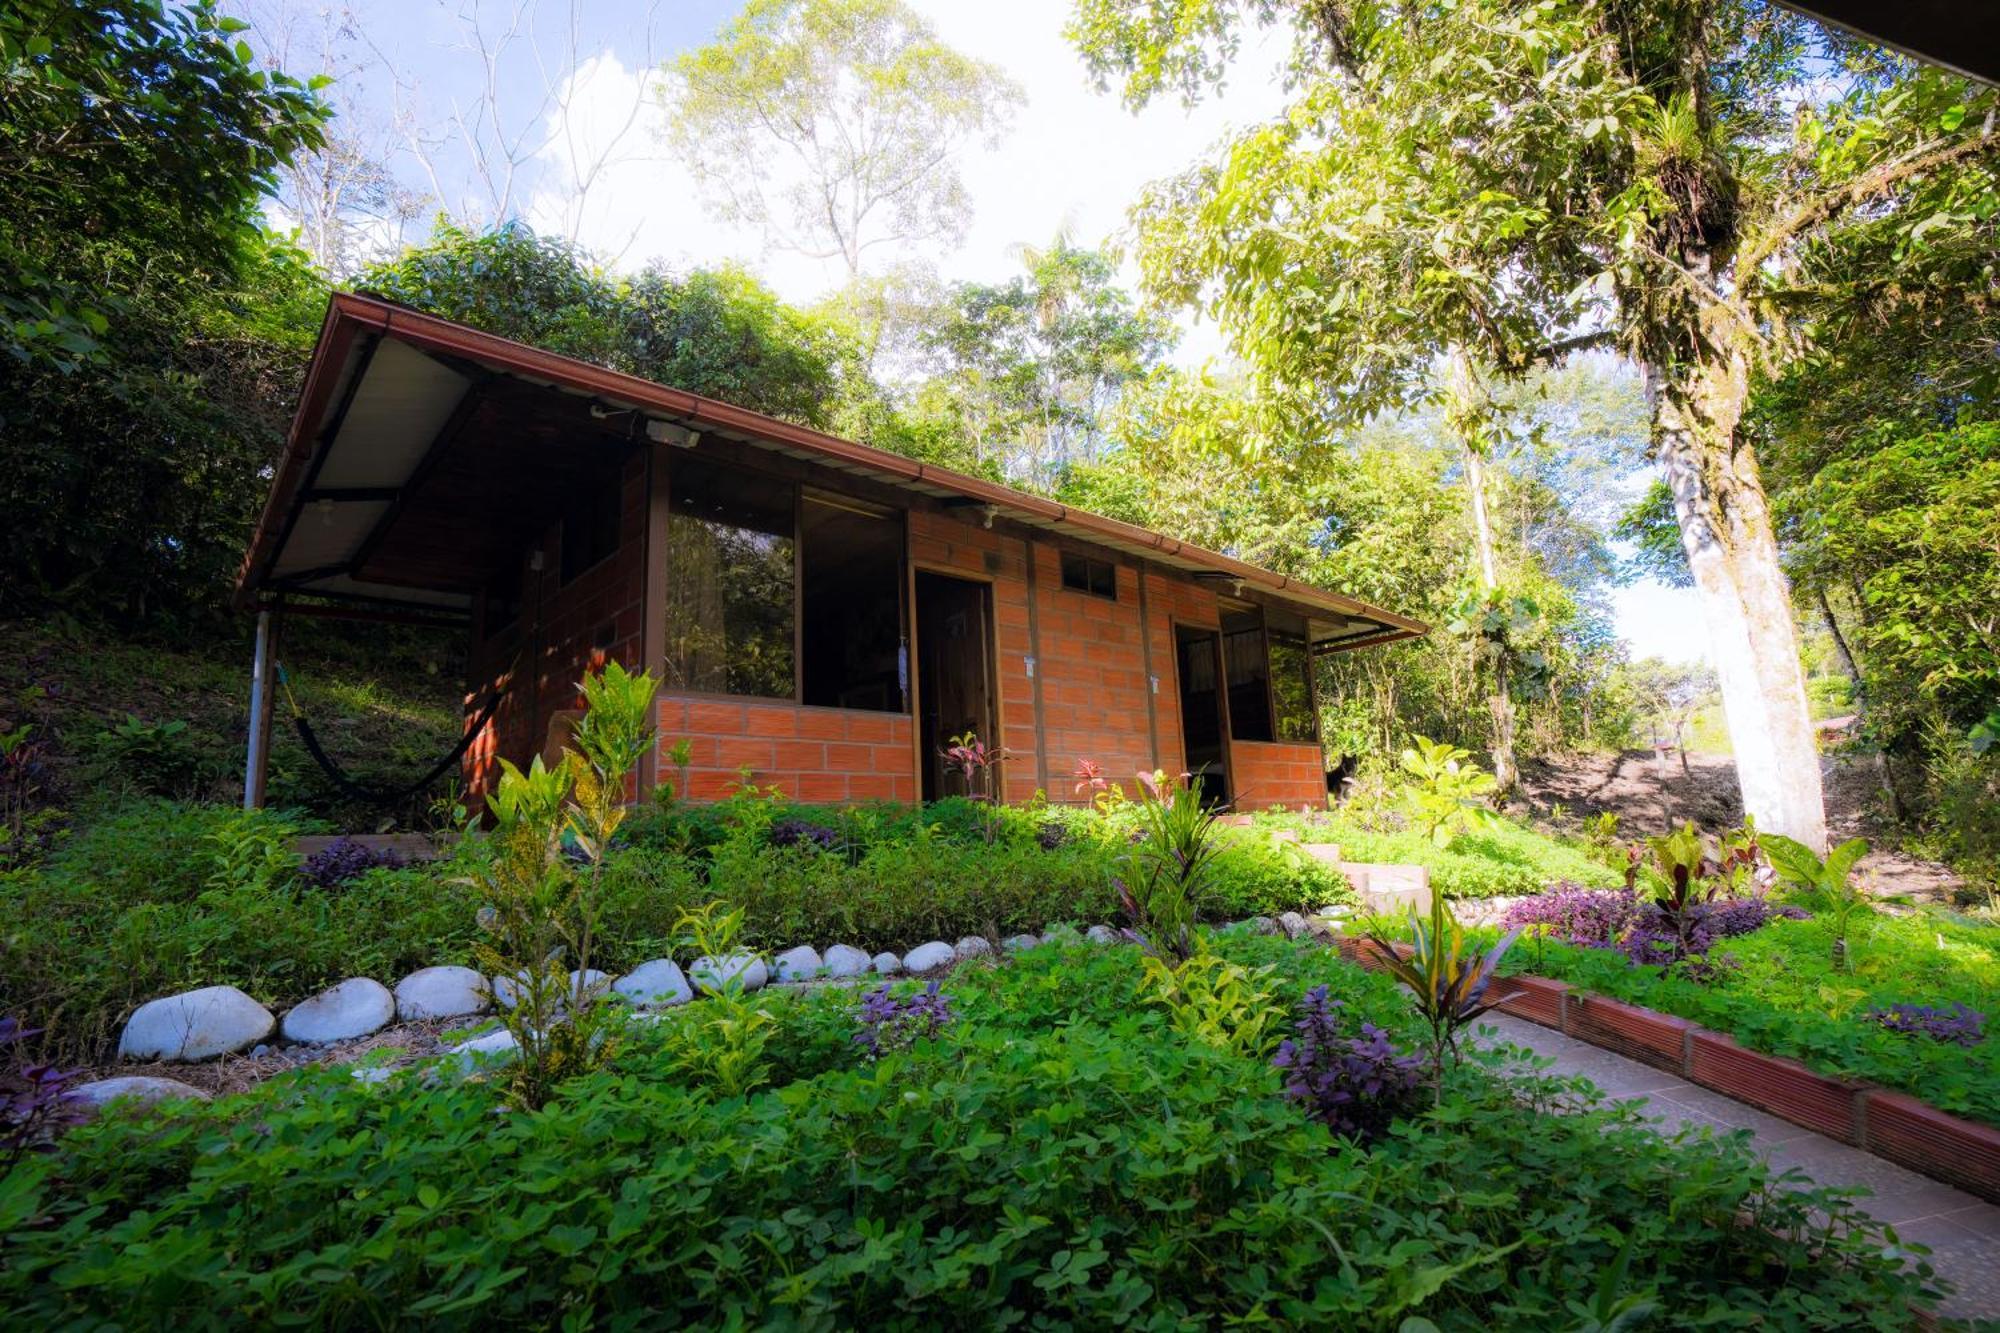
824, 615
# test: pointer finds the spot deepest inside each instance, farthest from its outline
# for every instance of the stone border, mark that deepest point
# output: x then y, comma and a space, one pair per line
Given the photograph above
1891, 1125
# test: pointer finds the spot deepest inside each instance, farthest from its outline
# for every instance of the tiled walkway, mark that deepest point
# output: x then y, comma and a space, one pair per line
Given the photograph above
1963, 1233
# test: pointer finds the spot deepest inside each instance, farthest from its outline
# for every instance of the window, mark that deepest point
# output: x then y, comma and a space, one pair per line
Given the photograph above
777, 593
1248, 673
1080, 573
851, 607
1292, 687
732, 590
590, 529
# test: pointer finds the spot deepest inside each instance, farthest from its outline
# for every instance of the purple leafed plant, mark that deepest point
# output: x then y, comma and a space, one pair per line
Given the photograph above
1356, 1086
344, 859
1591, 917
33, 1100
892, 1023
796, 832
1959, 1025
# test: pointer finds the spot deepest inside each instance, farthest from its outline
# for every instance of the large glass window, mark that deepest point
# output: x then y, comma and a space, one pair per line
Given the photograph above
851, 611
1291, 687
731, 584
780, 594
1248, 674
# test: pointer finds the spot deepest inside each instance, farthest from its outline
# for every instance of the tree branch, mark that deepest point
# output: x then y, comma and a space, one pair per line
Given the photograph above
1867, 185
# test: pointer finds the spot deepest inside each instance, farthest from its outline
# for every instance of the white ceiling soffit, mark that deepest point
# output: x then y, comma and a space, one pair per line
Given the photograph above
404, 400
328, 533
343, 585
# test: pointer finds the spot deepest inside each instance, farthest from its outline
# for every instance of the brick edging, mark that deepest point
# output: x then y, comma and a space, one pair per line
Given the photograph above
1891, 1125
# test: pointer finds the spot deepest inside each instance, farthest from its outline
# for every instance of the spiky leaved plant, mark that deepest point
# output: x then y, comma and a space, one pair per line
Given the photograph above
1452, 984
1169, 868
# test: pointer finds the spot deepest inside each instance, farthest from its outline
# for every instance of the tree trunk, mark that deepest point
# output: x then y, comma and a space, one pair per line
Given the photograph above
1468, 403
1726, 530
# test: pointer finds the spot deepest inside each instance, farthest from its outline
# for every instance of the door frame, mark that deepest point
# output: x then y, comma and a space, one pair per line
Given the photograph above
990, 666
1213, 634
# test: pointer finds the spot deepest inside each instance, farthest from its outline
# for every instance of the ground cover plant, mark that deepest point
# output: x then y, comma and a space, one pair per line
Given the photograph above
1895, 1014
1053, 1153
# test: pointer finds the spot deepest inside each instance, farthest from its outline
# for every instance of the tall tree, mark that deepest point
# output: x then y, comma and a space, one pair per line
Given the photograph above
835, 126
1034, 365
1523, 179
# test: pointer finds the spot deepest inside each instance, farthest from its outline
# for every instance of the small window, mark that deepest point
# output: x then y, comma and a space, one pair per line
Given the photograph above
1080, 573
589, 530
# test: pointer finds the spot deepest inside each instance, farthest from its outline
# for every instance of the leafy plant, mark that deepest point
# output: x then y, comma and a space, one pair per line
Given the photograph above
889, 1022
156, 757
1445, 793
26, 783
1210, 999
542, 914
1449, 979
344, 859
251, 849
1169, 870
1958, 1023
33, 1100
1827, 883
1355, 1085
975, 761
722, 1040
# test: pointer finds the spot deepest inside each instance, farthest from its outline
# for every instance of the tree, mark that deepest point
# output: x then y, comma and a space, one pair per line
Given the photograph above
1035, 364
151, 328
1524, 180
137, 140
834, 126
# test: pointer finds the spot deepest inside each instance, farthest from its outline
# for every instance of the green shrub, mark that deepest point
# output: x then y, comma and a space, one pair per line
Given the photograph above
1779, 990
154, 897
1058, 1157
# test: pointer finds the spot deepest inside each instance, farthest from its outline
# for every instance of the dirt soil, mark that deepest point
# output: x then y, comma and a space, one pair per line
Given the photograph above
1650, 798
237, 1073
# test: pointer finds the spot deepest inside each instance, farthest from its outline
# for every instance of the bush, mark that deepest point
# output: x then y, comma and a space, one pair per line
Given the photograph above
1055, 1157
156, 897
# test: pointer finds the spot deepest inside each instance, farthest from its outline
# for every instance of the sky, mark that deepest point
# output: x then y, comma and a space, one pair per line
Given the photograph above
1074, 158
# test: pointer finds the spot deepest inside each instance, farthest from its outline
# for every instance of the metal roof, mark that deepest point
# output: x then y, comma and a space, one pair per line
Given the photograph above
388, 387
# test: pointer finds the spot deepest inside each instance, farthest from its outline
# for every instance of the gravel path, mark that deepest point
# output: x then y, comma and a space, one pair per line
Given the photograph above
1962, 1232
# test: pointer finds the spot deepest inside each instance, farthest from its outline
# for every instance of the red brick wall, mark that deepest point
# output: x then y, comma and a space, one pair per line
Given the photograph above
570, 628
829, 755
1270, 774
1093, 678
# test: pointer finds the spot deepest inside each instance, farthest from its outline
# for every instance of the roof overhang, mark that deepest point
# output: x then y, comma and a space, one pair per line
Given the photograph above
1960, 35
404, 414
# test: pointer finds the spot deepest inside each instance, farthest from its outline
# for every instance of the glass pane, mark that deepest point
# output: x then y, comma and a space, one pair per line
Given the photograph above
730, 583
851, 616
1291, 690
1249, 676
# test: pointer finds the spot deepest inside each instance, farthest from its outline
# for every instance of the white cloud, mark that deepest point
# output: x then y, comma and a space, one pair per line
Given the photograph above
1074, 155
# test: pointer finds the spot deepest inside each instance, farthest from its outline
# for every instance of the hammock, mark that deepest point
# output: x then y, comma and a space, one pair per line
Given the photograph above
382, 797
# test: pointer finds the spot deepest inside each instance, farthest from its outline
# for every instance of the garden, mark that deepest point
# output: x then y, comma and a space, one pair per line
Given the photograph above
1192, 1118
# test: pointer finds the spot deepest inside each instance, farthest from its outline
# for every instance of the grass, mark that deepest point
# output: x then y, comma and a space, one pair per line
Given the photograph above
386, 703
1502, 859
